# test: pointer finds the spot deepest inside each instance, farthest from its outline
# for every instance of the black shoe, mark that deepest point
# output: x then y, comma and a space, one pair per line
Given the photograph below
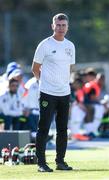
63, 166
44, 168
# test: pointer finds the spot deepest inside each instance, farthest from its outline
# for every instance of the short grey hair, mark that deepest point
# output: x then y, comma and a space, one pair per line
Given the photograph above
60, 16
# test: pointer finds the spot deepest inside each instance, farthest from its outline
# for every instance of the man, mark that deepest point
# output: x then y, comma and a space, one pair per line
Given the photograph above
51, 64
11, 107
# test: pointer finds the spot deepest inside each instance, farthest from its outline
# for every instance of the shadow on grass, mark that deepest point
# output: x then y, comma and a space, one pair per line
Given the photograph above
91, 170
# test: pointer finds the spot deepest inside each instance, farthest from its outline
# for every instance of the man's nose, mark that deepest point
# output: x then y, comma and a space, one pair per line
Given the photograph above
61, 27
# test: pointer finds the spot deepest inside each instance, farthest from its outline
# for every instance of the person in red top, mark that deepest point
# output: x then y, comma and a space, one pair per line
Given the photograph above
77, 111
95, 110
91, 88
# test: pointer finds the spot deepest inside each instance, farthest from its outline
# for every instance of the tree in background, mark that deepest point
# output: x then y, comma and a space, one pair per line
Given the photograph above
30, 21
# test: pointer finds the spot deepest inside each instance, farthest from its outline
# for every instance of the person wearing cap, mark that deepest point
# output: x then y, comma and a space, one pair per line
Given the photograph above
17, 74
51, 65
13, 68
10, 68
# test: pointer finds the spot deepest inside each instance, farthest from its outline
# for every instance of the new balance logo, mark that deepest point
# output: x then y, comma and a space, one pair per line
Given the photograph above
54, 51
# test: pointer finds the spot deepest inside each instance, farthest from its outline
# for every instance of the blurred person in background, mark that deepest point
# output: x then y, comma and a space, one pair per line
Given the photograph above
31, 104
13, 70
77, 111
11, 107
17, 74
101, 82
86, 111
104, 126
51, 64
94, 108
4, 78
2, 123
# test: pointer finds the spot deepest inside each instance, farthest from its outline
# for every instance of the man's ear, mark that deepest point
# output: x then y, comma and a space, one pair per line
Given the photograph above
52, 26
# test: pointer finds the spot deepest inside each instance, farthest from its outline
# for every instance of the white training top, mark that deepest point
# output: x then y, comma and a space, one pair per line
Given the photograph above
11, 104
56, 58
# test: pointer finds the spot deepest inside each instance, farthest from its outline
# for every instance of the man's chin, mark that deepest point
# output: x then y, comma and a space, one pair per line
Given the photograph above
13, 92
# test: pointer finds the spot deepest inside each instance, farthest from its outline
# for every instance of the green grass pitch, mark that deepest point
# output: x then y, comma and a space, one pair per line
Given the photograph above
88, 165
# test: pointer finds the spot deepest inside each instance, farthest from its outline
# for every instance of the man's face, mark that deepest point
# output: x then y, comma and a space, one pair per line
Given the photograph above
60, 27
13, 87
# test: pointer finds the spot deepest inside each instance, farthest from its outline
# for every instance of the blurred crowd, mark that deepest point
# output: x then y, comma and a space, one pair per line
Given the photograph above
89, 103
89, 107
19, 107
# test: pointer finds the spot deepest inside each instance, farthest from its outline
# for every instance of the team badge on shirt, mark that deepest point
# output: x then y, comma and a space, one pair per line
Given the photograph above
44, 103
68, 51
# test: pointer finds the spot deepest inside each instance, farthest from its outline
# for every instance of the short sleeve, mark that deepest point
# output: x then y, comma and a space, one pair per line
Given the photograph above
39, 53
73, 55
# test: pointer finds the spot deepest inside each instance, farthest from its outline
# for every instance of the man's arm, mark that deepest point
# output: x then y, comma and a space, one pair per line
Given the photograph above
36, 70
